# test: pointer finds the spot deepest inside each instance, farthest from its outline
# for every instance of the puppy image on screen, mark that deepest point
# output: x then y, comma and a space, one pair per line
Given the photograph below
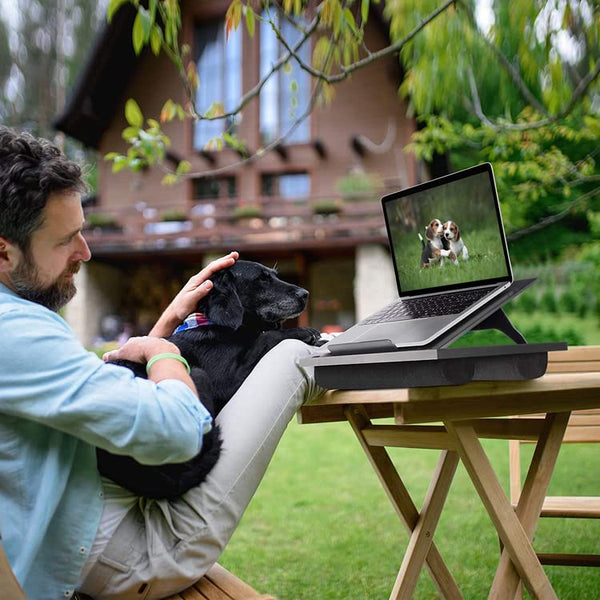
436, 247
451, 233
237, 323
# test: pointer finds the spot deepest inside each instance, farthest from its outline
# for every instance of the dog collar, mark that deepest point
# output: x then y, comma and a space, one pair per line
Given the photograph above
194, 320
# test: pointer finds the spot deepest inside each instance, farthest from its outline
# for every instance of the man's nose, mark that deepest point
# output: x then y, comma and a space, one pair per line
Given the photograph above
83, 250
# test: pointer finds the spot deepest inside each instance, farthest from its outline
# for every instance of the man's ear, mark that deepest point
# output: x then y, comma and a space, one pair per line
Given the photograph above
9, 254
222, 304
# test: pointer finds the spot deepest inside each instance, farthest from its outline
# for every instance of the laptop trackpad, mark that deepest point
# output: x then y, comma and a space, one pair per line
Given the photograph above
400, 333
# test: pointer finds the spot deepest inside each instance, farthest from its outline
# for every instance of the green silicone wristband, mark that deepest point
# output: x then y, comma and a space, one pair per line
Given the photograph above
167, 355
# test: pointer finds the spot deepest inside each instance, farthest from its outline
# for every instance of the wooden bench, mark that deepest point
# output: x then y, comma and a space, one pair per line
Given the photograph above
220, 584
217, 584
583, 427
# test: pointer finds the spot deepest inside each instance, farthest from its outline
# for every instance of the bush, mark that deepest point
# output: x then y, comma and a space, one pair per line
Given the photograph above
548, 301
527, 302
173, 216
538, 335
569, 302
101, 220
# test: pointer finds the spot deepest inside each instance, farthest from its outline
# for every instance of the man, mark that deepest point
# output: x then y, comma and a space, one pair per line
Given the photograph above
63, 527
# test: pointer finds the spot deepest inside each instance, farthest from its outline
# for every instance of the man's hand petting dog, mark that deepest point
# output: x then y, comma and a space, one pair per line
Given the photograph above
232, 328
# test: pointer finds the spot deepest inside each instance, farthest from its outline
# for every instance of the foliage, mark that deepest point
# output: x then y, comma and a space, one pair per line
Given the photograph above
519, 88
43, 44
326, 207
101, 220
173, 216
247, 211
520, 91
358, 184
339, 49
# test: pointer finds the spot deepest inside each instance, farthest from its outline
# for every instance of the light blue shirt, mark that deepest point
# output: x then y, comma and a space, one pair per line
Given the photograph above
57, 403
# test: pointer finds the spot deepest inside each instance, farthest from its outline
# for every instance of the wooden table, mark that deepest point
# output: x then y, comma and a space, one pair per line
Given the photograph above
468, 413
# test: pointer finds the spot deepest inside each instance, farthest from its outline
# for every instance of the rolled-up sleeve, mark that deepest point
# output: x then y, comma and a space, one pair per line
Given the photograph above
47, 376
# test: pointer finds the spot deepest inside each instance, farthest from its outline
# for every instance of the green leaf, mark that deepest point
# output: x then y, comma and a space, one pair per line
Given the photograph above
364, 10
138, 35
250, 24
167, 112
349, 18
183, 167
130, 133
169, 179
111, 155
113, 7
156, 38
133, 113
119, 164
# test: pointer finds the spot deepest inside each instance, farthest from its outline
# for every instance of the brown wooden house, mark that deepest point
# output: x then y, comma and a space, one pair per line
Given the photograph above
311, 205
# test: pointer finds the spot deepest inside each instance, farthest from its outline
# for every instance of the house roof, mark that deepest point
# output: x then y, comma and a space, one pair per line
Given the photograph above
102, 82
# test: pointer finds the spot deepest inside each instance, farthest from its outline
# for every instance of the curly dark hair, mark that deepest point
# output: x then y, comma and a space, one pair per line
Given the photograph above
31, 169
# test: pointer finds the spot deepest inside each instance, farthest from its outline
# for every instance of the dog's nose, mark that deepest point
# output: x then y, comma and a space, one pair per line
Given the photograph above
301, 294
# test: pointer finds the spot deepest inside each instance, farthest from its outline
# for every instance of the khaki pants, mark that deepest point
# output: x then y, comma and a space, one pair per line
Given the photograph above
161, 547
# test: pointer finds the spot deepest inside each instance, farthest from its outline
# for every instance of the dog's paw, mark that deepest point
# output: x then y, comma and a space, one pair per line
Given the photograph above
309, 335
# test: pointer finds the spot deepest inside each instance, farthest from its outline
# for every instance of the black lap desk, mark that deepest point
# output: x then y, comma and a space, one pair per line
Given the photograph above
378, 367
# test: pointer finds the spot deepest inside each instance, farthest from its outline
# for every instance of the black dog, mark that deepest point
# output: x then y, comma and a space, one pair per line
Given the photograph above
241, 321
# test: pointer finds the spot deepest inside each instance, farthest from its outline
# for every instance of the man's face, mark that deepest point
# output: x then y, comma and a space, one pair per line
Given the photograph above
44, 274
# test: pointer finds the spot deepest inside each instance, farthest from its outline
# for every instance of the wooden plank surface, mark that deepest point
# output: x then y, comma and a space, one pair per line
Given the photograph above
552, 392
219, 584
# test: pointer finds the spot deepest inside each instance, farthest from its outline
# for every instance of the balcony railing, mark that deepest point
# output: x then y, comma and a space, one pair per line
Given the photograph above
225, 224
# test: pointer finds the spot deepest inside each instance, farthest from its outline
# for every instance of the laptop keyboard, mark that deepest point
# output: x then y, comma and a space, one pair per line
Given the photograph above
430, 306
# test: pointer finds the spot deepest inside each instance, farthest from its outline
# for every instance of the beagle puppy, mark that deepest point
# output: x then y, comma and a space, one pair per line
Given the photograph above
451, 233
436, 247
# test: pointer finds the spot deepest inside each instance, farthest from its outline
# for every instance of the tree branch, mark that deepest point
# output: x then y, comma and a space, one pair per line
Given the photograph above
578, 93
546, 221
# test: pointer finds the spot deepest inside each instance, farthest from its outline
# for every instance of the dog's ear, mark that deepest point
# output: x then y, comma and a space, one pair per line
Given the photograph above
222, 304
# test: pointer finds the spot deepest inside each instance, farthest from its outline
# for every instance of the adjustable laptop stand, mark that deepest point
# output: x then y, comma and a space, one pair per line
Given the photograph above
437, 364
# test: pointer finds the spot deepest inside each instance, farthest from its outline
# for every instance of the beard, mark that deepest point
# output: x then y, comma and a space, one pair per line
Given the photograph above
26, 282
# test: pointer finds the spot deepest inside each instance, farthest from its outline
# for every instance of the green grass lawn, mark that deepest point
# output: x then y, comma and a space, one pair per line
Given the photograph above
321, 527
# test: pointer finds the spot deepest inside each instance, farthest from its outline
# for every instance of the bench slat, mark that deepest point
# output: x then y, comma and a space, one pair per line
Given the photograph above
219, 584
583, 507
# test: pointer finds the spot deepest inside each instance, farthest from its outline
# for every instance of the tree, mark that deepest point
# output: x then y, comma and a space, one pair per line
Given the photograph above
50, 39
519, 88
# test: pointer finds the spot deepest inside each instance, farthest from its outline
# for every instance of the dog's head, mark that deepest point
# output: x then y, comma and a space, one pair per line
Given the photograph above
251, 293
451, 231
434, 230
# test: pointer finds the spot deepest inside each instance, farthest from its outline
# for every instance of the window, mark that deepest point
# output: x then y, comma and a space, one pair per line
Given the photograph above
286, 95
288, 186
208, 188
219, 66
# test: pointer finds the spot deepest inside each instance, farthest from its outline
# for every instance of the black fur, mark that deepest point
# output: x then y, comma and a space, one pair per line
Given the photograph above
246, 307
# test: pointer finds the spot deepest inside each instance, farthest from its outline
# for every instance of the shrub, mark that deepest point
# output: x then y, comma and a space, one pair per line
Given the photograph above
101, 220
173, 215
548, 301
247, 211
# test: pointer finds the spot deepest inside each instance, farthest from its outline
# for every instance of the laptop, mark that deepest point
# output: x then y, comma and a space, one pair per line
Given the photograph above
445, 291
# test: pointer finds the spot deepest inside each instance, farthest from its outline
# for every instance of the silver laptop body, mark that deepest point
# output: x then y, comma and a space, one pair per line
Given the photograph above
467, 258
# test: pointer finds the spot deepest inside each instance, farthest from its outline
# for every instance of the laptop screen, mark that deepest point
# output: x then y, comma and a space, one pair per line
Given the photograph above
463, 243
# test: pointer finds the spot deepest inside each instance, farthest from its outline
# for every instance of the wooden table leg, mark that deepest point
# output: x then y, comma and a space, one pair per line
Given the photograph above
422, 535
506, 581
509, 528
403, 504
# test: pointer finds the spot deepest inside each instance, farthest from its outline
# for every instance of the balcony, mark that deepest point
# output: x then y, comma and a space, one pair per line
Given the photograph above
263, 224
